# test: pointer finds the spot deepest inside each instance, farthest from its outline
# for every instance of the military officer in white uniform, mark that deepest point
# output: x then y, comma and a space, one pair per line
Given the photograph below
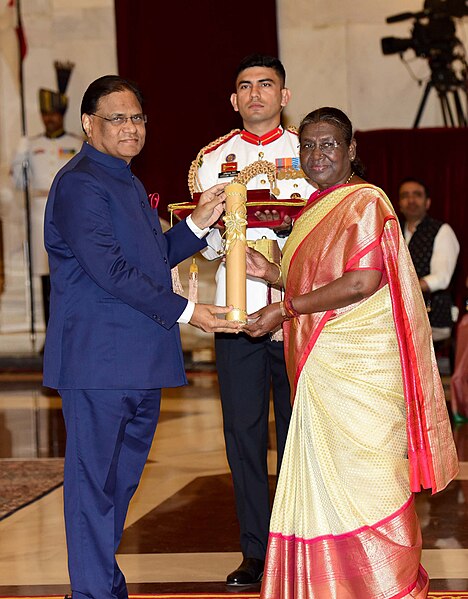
43, 156
248, 367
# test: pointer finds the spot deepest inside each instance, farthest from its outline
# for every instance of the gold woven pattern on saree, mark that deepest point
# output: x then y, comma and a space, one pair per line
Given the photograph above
345, 462
315, 214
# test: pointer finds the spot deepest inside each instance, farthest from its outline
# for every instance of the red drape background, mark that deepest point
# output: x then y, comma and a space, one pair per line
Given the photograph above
183, 56
438, 157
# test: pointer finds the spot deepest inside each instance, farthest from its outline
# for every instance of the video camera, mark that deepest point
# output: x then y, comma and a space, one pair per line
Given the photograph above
434, 36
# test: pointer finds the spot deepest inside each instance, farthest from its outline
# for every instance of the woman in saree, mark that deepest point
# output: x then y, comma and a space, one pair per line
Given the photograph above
369, 425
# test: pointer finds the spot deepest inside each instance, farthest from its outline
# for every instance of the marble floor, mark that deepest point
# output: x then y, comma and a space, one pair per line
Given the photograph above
181, 532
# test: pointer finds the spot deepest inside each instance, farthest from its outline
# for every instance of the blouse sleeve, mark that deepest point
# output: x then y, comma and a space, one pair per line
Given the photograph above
373, 260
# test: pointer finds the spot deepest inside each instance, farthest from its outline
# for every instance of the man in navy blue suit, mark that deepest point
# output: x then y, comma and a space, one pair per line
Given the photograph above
113, 338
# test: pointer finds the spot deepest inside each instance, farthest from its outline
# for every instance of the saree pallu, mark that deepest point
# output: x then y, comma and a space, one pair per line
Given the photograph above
343, 524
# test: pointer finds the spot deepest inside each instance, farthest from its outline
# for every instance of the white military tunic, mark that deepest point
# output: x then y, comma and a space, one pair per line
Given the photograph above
45, 156
222, 163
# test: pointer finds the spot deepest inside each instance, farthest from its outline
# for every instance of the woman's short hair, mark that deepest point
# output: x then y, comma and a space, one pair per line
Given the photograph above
336, 117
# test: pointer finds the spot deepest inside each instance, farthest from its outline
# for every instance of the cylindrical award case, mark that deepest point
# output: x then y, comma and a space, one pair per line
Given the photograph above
236, 222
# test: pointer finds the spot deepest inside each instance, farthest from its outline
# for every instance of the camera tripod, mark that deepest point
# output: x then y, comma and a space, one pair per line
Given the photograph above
446, 84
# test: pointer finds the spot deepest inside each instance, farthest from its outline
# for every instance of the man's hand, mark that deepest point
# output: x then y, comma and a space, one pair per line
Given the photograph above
204, 317
263, 321
210, 206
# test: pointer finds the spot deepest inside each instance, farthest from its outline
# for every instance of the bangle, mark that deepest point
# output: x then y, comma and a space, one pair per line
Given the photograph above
289, 309
280, 274
283, 311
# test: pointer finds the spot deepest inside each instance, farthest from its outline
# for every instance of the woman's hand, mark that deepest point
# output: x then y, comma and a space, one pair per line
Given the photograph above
258, 266
263, 321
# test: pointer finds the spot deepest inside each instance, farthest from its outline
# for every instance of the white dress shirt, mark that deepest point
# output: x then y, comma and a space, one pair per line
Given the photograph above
444, 257
187, 314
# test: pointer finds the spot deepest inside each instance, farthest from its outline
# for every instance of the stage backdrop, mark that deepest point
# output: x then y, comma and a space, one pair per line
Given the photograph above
183, 56
438, 157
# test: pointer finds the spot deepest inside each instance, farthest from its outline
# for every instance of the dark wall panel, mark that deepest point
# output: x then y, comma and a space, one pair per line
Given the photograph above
183, 56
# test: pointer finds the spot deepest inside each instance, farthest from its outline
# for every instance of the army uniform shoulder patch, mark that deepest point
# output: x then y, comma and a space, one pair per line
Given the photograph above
193, 181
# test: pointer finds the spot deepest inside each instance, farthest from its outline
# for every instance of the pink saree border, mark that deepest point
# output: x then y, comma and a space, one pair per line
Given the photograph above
311, 344
419, 451
379, 560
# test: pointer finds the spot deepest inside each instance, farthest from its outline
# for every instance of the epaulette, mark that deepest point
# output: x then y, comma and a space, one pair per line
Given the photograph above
193, 180
292, 129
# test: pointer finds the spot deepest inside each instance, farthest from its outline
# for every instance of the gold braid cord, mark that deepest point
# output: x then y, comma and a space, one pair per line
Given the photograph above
193, 180
256, 168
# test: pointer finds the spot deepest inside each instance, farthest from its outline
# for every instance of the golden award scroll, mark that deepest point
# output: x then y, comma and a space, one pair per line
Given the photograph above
235, 220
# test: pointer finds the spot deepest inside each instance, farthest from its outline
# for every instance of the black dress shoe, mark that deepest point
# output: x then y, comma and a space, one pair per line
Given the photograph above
249, 572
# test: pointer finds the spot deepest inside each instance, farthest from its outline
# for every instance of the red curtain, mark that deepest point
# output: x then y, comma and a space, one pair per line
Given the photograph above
183, 56
439, 158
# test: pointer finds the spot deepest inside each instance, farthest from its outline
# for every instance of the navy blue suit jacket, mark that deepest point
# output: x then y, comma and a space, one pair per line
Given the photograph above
113, 322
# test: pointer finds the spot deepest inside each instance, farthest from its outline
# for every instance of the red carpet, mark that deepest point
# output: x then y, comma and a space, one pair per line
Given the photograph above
245, 595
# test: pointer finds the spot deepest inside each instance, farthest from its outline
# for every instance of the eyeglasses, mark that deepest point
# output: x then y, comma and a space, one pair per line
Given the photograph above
326, 147
119, 120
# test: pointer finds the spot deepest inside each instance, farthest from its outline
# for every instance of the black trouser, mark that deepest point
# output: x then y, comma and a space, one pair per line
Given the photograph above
247, 368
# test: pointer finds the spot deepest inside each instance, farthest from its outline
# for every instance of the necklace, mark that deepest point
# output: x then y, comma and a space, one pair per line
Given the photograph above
318, 193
